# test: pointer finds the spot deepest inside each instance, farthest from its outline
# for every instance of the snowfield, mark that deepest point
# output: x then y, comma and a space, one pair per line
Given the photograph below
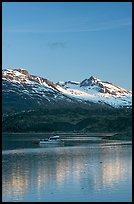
89, 90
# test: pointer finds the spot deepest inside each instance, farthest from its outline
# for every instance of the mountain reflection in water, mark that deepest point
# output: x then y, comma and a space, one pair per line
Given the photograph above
81, 173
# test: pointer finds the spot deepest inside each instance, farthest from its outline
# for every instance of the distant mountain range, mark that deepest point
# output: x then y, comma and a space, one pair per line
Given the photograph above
21, 90
33, 103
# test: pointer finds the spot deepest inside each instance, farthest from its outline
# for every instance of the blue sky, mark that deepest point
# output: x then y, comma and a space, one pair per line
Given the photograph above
69, 40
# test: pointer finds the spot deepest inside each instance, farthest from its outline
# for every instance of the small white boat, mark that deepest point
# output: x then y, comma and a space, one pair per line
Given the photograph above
51, 140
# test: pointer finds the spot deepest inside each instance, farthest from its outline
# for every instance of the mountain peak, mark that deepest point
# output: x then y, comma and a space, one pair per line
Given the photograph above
89, 90
17, 71
92, 78
16, 75
22, 71
89, 82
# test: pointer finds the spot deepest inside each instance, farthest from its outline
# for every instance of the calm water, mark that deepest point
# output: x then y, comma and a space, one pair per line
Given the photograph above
87, 172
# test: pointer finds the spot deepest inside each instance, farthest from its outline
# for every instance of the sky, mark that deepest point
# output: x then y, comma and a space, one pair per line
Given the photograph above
64, 41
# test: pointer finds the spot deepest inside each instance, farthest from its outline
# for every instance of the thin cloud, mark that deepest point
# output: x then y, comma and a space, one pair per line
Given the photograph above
82, 27
55, 45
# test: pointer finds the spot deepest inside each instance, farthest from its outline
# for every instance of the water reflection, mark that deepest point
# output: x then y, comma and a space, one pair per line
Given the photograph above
45, 174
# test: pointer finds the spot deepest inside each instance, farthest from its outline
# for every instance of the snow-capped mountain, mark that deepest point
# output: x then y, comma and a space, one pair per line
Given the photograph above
98, 91
20, 87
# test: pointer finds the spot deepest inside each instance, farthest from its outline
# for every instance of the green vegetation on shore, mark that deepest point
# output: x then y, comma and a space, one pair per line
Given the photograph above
71, 120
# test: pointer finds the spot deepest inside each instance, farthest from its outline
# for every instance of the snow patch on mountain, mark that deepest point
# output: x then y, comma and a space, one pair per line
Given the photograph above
89, 90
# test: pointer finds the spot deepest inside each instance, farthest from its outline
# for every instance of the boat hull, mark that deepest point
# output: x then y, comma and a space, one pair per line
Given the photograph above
51, 142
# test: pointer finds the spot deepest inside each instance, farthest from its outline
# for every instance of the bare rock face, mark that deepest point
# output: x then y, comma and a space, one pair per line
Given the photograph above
89, 82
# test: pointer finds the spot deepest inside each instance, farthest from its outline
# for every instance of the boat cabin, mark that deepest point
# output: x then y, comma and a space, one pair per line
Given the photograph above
54, 137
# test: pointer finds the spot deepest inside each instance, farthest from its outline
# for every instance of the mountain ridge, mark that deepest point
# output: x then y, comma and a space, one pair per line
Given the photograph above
33, 103
88, 91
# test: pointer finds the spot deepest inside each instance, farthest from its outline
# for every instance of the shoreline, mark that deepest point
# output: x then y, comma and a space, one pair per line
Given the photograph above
120, 136
67, 133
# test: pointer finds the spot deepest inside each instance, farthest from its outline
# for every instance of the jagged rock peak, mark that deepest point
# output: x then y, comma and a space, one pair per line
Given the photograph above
88, 82
92, 78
